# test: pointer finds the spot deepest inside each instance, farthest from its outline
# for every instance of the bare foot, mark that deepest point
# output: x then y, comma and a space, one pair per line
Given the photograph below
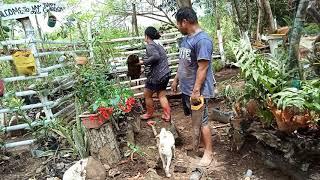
206, 159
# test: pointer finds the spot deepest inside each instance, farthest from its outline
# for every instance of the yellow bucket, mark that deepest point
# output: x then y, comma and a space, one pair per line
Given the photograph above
24, 62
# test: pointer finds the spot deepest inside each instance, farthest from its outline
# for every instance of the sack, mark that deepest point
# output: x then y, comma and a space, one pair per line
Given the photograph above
24, 62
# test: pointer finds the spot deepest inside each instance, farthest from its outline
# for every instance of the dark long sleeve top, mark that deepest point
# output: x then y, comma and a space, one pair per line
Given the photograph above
156, 59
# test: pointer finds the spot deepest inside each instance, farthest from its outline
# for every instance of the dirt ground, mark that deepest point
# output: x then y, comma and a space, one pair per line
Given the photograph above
227, 164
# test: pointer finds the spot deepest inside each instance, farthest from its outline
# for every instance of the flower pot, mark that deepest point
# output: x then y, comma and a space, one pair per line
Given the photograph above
92, 121
80, 60
52, 21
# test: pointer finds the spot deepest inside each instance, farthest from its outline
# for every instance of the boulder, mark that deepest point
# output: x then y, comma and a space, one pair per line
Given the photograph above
86, 169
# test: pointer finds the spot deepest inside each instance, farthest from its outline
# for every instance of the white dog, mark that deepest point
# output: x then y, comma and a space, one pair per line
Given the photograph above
166, 149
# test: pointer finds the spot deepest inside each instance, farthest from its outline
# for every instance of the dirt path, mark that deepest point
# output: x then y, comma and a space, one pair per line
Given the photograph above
226, 165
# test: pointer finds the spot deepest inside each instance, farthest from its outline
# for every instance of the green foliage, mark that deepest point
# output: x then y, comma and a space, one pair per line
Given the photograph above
289, 97
263, 75
312, 29
270, 77
217, 66
94, 88
74, 134
134, 149
308, 97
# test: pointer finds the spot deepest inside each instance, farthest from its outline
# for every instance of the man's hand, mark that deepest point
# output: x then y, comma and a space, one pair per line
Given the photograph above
174, 85
195, 94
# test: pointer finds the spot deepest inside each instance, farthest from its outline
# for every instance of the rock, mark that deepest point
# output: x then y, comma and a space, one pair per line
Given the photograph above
76, 171
86, 169
5, 158
106, 166
60, 166
305, 167
180, 169
53, 178
151, 163
152, 175
39, 170
114, 172
95, 170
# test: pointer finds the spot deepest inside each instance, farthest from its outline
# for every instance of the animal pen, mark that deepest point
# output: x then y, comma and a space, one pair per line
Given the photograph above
58, 101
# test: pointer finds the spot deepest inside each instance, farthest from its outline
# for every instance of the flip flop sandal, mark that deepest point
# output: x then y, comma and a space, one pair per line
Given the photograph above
196, 174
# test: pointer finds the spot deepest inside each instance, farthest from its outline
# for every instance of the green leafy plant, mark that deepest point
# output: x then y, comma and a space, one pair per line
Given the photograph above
74, 134
133, 149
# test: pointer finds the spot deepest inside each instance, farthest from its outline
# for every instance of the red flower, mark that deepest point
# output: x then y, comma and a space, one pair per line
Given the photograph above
130, 101
105, 112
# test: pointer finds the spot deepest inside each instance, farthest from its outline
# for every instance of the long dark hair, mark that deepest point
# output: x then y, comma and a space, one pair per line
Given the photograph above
152, 33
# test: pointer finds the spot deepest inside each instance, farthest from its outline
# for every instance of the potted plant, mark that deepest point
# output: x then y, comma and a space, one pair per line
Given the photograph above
52, 20
101, 98
91, 121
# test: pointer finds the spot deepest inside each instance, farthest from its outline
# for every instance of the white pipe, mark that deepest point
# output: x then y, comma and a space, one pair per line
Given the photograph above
22, 78
25, 93
26, 107
89, 33
220, 42
19, 143
15, 42
28, 41
139, 37
138, 51
25, 125
8, 58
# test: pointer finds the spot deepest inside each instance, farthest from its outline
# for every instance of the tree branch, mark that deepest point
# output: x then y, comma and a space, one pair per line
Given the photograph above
165, 14
150, 17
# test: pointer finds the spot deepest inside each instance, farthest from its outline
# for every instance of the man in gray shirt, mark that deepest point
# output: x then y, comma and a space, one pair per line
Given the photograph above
195, 74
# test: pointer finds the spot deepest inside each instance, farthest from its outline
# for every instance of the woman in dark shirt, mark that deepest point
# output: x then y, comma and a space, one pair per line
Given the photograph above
157, 72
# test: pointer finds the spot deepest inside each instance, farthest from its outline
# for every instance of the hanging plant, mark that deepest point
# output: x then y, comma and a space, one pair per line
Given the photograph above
52, 20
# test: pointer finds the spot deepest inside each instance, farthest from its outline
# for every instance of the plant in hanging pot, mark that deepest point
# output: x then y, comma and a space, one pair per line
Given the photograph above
96, 120
52, 20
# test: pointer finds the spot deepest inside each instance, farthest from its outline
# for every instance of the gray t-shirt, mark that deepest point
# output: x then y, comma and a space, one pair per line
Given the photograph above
193, 48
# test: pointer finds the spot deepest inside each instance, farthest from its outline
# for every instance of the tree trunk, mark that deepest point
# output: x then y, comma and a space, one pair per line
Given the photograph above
268, 11
184, 3
296, 35
236, 5
103, 144
249, 15
313, 12
219, 33
260, 16
135, 30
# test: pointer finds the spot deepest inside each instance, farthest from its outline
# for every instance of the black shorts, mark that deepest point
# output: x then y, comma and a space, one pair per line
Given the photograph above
160, 85
187, 109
